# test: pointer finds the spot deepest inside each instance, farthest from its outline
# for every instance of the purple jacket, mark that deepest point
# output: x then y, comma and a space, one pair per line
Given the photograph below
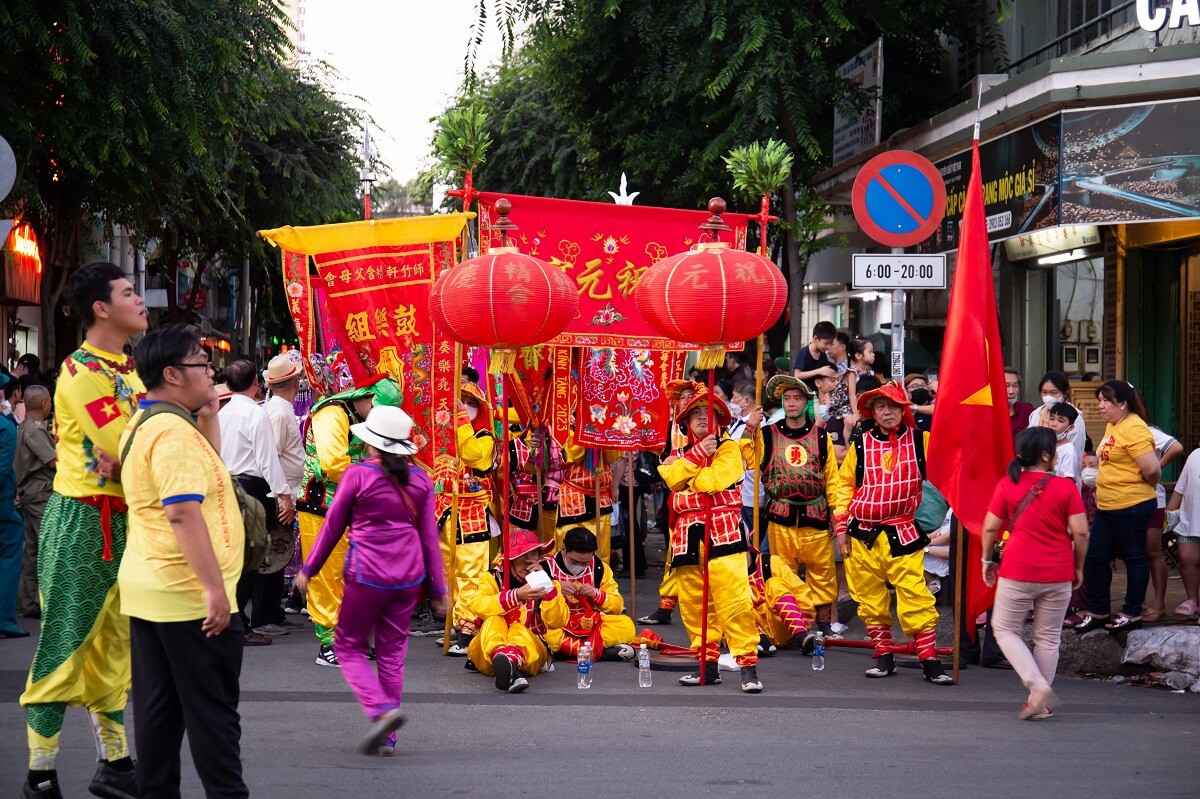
388, 547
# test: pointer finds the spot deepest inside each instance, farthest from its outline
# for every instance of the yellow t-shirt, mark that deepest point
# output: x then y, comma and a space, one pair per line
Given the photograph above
172, 461
97, 393
1119, 482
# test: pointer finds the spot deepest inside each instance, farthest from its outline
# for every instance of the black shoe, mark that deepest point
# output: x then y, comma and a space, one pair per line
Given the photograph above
112, 783
809, 643
659, 616
503, 668
712, 676
424, 623
750, 682
45, 789
934, 674
325, 657
459, 648
765, 647
620, 652
884, 667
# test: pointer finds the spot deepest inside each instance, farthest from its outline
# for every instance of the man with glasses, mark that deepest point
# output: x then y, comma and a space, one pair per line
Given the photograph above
83, 652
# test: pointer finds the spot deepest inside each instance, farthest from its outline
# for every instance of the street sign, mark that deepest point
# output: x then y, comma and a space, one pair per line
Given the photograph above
899, 198
872, 271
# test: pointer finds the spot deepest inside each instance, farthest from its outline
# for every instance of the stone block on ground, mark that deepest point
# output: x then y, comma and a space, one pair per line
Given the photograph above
1096, 652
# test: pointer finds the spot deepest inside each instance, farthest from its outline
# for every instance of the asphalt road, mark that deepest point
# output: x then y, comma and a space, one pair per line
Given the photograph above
831, 733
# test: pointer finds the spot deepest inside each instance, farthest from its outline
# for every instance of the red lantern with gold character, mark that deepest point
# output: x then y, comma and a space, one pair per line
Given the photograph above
504, 300
712, 295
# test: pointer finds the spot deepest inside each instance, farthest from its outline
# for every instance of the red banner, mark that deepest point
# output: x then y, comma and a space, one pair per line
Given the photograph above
564, 388
622, 402
300, 306
605, 248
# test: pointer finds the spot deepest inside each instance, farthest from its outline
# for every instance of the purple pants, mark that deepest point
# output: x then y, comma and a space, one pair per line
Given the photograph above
388, 612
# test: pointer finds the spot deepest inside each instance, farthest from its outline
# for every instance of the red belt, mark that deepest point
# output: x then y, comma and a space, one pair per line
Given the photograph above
107, 504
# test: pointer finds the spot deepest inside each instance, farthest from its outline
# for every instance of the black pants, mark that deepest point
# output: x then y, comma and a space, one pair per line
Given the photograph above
261, 592
630, 522
184, 680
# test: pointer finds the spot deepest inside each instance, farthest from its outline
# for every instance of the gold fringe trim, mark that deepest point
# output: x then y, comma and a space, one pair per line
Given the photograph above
711, 357
503, 362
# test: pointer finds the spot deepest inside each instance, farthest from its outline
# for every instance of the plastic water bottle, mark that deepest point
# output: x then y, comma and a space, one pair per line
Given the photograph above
645, 679
818, 655
585, 666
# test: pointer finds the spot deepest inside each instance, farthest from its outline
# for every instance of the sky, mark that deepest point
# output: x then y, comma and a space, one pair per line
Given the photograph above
401, 61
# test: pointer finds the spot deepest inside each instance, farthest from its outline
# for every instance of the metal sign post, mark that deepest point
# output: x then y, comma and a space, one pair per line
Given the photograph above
899, 312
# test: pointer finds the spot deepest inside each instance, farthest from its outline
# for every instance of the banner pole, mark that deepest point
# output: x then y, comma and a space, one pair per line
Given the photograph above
959, 586
758, 389
703, 648
505, 482
451, 580
630, 525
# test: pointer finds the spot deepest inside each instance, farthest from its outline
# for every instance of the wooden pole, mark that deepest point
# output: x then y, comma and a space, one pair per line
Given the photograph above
630, 560
758, 389
960, 585
703, 648
505, 482
451, 580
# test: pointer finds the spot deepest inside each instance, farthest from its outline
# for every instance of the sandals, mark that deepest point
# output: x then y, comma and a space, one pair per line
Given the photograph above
1123, 623
1072, 621
1153, 614
1090, 622
1187, 608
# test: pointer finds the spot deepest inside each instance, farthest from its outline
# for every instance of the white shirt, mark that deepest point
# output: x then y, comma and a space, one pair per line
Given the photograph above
736, 428
1162, 441
1066, 462
1188, 487
1077, 434
286, 428
248, 445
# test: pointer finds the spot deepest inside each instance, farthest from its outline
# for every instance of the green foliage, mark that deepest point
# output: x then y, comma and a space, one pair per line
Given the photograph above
759, 169
462, 141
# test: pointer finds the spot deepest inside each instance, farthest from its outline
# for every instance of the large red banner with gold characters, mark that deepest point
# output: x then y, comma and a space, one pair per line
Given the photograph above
376, 278
605, 248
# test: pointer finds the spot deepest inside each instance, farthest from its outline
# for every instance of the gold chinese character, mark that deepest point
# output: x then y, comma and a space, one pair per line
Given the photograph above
345, 275
444, 347
443, 384
392, 272
628, 277
406, 320
516, 272
358, 328
382, 323
444, 365
589, 279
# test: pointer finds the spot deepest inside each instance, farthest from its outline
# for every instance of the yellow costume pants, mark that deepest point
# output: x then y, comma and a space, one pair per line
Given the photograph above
870, 569
730, 607
469, 567
782, 586
603, 535
325, 587
614, 630
495, 633
813, 548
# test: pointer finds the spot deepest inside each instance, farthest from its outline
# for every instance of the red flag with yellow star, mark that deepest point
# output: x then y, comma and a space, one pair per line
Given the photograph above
971, 442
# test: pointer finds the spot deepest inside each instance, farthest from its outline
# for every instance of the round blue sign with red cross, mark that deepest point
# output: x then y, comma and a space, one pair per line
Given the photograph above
899, 198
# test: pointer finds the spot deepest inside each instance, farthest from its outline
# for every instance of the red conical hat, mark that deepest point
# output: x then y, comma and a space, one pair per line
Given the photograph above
891, 391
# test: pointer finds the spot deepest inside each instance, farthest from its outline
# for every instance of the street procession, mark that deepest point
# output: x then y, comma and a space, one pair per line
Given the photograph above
858, 420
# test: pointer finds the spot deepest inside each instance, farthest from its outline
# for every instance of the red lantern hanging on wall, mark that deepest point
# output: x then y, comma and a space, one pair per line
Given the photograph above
712, 295
504, 300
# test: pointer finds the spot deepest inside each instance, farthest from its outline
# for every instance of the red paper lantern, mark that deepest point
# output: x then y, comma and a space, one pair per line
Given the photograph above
713, 296
504, 300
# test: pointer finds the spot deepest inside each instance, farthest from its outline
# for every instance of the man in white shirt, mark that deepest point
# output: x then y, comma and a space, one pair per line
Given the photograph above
283, 378
248, 449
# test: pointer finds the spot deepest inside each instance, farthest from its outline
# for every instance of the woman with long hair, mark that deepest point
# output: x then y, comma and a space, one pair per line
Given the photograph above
1054, 388
392, 559
1042, 562
1125, 499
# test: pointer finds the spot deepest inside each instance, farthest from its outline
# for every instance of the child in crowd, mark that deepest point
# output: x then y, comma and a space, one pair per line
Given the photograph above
1062, 420
862, 357
814, 359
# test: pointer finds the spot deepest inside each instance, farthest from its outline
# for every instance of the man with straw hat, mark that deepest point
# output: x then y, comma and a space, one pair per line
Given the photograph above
875, 506
510, 645
800, 473
706, 513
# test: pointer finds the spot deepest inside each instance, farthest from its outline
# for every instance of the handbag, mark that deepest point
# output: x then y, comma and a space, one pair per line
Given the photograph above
1026, 501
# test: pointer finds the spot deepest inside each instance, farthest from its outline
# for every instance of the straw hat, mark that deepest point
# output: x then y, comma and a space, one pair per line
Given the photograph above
781, 383
387, 429
280, 369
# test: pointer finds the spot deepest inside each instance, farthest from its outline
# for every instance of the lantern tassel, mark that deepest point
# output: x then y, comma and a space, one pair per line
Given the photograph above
711, 357
503, 362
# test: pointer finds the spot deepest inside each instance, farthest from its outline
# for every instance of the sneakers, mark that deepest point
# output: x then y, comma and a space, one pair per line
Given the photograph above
809, 643
622, 652
271, 630
110, 782
712, 676
255, 639
326, 658
518, 685
934, 674
388, 747
424, 623
383, 727
47, 789
750, 682
288, 624
507, 678
885, 666
659, 616
459, 648
765, 647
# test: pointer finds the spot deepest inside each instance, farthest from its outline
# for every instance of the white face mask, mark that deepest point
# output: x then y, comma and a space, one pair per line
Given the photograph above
735, 410
1062, 436
823, 412
575, 569
1088, 476
1050, 401
1012, 401
472, 412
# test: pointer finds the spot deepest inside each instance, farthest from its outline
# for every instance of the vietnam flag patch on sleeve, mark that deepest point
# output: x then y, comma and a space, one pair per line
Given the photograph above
103, 411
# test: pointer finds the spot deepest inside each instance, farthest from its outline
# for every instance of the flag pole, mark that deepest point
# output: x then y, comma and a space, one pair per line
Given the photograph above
960, 583
630, 525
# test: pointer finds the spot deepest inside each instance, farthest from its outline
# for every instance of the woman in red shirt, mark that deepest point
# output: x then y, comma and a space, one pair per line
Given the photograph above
1042, 563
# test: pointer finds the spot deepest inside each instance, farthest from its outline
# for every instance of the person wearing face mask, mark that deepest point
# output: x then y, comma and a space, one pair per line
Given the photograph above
742, 407
1056, 388
1019, 411
1062, 420
593, 599
511, 644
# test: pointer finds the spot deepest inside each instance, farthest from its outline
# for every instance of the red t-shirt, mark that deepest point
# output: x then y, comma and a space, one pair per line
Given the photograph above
1039, 549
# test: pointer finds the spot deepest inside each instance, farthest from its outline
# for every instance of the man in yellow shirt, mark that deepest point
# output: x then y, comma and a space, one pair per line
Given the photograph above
83, 653
179, 577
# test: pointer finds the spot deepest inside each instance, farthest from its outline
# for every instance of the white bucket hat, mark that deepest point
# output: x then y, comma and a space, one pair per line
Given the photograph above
387, 429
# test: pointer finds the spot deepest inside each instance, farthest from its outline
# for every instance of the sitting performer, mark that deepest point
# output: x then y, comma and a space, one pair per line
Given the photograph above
704, 482
510, 645
782, 605
594, 601
577, 495
877, 498
800, 473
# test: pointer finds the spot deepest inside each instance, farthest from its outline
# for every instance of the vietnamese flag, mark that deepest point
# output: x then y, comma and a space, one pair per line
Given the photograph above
971, 442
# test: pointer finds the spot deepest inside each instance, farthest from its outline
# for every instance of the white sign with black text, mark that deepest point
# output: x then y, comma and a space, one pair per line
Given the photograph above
881, 271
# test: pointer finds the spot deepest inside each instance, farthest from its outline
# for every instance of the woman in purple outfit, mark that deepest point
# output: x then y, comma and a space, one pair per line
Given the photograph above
393, 557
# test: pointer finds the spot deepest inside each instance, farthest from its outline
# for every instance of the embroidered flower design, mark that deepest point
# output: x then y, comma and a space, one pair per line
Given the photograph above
295, 290
610, 246
608, 316
442, 417
644, 417
597, 413
624, 425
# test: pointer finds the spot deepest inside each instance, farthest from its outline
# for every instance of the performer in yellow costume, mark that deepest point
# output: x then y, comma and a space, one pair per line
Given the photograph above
82, 656
582, 468
800, 474
470, 478
593, 599
703, 479
878, 494
782, 606
329, 449
510, 645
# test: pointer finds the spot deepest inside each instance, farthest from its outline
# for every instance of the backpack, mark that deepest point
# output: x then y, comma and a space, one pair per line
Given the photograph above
645, 469
254, 516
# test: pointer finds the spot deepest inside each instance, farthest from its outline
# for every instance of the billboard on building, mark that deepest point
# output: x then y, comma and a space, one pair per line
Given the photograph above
860, 132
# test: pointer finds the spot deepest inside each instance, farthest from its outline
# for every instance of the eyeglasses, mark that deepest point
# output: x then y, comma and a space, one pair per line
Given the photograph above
204, 365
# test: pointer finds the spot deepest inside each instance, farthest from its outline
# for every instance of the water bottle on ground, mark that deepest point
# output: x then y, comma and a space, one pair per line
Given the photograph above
645, 680
818, 654
585, 666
